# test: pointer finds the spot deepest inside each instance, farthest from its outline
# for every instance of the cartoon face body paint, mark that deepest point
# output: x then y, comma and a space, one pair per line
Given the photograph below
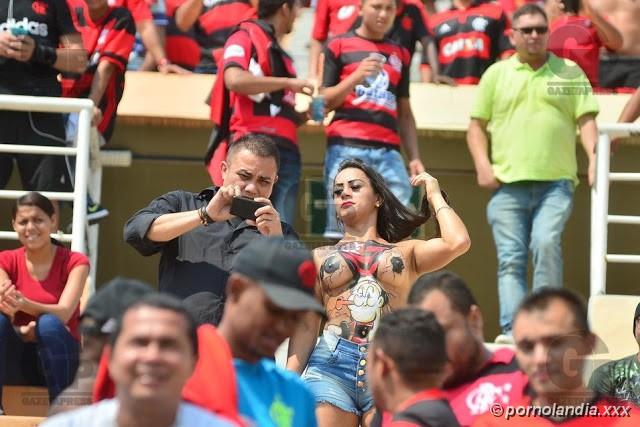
358, 279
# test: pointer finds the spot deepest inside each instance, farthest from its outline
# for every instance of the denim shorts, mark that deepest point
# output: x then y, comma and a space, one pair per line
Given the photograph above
336, 374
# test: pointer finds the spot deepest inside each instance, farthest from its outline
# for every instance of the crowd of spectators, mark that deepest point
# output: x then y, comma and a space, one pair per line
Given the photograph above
234, 279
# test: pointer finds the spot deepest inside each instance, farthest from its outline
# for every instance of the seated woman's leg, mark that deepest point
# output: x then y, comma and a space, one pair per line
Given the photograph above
8, 340
59, 353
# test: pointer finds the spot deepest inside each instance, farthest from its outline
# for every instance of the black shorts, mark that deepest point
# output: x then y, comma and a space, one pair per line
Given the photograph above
620, 72
37, 172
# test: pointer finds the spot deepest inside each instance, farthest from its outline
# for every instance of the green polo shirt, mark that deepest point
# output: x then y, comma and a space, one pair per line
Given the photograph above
533, 116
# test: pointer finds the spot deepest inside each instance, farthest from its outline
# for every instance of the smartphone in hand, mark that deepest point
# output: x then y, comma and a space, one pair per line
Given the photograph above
245, 207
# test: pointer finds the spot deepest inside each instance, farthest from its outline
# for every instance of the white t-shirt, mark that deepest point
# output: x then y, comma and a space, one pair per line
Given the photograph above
103, 414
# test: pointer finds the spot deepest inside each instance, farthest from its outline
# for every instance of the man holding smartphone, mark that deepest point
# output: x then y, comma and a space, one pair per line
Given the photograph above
198, 234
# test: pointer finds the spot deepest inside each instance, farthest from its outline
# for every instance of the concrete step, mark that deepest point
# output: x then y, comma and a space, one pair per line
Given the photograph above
11, 421
25, 401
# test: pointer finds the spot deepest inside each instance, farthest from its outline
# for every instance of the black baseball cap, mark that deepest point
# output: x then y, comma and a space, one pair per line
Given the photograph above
284, 269
108, 304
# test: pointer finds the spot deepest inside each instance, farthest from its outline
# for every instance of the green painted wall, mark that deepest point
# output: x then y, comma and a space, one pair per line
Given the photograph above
168, 158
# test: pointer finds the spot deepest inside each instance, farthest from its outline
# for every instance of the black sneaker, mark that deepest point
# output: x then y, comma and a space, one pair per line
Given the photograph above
96, 212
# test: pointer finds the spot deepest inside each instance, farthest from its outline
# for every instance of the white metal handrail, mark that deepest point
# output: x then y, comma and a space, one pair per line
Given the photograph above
600, 218
81, 151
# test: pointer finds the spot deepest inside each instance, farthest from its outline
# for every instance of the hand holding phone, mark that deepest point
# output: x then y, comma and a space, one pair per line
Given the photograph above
245, 207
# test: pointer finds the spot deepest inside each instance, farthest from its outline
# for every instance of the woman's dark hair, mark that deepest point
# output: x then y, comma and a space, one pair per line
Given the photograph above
33, 198
395, 221
268, 8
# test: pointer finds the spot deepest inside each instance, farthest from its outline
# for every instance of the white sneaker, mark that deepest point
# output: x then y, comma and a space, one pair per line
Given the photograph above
504, 339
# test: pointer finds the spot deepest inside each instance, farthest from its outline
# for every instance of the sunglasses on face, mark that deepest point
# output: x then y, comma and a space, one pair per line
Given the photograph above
529, 30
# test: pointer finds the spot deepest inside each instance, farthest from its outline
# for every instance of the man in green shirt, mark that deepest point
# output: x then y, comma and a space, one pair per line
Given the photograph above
530, 104
621, 378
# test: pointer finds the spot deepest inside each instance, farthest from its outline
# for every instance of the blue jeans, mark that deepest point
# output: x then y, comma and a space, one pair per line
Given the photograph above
55, 348
386, 161
337, 374
525, 216
285, 192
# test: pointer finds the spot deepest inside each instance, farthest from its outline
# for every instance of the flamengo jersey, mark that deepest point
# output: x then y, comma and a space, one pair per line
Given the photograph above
500, 381
46, 21
108, 39
410, 25
273, 113
368, 116
470, 40
334, 17
202, 44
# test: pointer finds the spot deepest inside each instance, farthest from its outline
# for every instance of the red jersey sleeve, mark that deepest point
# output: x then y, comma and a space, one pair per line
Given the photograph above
238, 51
321, 21
8, 262
120, 40
173, 5
139, 10
76, 259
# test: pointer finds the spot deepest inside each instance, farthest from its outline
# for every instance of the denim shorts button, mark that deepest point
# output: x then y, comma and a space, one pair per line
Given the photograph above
361, 372
363, 362
363, 349
360, 384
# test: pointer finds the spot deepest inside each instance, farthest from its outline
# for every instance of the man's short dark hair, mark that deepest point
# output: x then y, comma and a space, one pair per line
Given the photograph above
447, 282
414, 340
256, 144
529, 9
268, 8
540, 299
162, 302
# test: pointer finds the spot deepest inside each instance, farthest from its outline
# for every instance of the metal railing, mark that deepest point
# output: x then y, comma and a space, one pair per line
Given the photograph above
81, 151
600, 218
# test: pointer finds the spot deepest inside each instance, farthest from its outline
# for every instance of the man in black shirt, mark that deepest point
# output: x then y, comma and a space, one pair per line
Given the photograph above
37, 40
196, 233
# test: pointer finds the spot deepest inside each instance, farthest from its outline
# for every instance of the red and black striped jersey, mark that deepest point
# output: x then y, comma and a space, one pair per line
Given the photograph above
368, 116
500, 380
255, 49
470, 40
139, 9
202, 44
334, 17
108, 39
410, 25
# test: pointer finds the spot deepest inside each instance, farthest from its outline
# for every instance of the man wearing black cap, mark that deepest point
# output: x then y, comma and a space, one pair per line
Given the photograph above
621, 378
271, 286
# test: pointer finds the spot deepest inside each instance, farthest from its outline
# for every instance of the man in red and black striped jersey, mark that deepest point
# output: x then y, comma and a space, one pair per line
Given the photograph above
198, 30
332, 18
366, 82
108, 35
478, 377
261, 83
553, 341
411, 26
470, 37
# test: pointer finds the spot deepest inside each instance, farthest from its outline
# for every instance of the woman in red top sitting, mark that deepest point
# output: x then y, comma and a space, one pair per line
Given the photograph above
40, 287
